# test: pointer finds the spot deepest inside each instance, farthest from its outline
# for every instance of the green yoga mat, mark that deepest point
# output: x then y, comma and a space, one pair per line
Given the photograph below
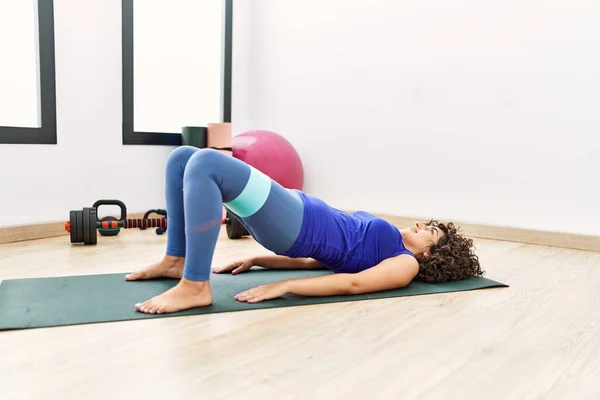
71, 300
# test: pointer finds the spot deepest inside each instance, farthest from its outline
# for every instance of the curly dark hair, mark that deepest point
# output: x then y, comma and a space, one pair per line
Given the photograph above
451, 259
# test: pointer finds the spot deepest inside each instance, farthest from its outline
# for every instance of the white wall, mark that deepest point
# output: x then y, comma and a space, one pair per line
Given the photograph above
486, 112
381, 98
88, 84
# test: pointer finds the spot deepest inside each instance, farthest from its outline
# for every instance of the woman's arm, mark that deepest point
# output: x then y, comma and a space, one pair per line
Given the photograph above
391, 273
271, 262
283, 262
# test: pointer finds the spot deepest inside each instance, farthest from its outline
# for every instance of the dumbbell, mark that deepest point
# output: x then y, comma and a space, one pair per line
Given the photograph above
235, 229
83, 224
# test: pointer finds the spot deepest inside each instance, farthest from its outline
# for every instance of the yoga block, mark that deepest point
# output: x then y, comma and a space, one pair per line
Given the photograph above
194, 136
219, 136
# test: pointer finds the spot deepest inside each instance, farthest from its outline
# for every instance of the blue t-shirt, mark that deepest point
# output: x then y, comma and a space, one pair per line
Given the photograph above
345, 242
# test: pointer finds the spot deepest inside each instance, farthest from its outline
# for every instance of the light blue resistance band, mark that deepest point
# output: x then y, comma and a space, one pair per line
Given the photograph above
254, 195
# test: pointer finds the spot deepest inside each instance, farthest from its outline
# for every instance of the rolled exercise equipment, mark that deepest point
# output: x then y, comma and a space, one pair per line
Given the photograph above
83, 224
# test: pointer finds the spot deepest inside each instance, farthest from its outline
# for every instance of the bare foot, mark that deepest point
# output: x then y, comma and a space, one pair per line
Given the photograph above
168, 267
187, 294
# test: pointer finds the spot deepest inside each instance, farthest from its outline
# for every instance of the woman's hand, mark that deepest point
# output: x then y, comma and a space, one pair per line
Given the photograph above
270, 262
264, 292
236, 267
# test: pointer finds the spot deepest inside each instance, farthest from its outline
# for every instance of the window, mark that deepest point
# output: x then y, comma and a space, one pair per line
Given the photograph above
176, 67
27, 78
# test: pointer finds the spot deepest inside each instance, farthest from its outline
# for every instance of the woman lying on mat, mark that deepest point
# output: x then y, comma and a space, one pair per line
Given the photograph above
366, 254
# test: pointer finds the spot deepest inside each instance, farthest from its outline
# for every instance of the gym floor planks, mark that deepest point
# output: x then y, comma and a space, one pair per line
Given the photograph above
536, 339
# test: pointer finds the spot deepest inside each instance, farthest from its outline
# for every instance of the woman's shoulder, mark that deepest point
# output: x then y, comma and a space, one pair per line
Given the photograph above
390, 238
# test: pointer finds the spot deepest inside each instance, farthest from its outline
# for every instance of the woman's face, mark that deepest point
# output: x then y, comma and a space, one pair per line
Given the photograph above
422, 236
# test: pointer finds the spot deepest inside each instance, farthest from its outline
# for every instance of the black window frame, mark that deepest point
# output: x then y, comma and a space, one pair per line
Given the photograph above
132, 137
46, 134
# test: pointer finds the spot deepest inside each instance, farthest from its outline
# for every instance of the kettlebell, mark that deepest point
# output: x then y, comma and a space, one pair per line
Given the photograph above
111, 231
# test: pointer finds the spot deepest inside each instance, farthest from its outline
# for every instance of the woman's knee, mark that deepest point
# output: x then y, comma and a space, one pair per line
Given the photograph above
230, 174
181, 156
206, 161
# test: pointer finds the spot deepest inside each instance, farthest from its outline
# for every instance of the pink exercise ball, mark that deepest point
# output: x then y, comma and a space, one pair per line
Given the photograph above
271, 154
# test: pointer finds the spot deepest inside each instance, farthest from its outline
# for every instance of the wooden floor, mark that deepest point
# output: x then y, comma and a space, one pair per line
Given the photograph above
538, 339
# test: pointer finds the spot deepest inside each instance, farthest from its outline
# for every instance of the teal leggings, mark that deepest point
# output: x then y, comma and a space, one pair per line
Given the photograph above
199, 182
